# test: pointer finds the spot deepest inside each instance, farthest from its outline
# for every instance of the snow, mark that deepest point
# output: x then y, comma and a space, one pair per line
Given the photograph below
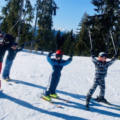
19, 101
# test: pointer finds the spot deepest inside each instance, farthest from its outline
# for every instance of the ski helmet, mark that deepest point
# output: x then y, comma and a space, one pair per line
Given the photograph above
1, 38
102, 54
59, 53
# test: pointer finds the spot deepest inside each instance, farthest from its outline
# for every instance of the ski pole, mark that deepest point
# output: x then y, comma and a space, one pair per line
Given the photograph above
113, 42
90, 39
30, 42
17, 22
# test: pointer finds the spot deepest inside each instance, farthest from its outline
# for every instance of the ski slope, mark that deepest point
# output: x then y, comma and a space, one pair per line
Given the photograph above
19, 101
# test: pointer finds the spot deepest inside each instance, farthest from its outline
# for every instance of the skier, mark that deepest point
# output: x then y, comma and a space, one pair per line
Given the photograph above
57, 66
6, 42
101, 67
12, 52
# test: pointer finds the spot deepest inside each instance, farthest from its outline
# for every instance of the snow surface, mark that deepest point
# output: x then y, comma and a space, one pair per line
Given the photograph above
19, 101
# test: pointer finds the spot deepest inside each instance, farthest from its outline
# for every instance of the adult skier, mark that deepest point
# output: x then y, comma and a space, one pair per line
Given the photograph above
101, 67
6, 42
57, 66
12, 52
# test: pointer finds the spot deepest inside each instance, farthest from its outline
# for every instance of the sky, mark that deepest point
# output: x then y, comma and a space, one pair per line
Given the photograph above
69, 14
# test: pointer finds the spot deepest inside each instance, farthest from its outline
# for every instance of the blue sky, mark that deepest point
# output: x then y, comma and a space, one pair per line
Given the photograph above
69, 13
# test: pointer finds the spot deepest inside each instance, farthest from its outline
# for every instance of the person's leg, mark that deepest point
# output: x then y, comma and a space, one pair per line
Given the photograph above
0, 67
5, 70
92, 90
54, 86
0, 73
90, 93
53, 82
102, 88
9, 68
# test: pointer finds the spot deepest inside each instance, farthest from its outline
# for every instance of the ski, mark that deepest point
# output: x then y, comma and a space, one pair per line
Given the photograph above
10, 82
52, 102
58, 98
7, 82
107, 103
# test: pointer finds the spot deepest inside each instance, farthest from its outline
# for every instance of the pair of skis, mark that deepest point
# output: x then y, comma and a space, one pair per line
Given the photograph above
107, 103
53, 103
10, 82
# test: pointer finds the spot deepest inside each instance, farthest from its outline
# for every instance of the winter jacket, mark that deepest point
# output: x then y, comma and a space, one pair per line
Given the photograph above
57, 65
12, 53
4, 48
101, 68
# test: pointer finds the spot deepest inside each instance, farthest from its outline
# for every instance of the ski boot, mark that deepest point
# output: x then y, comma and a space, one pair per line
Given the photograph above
54, 95
47, 98
5, 79
87, 103
101, 99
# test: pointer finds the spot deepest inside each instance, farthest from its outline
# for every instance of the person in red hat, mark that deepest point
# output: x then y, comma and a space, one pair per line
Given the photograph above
57, 66
12, 52
6, 42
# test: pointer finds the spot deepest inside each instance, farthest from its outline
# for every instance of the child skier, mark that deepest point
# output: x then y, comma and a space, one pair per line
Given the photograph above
101, 67
57, 66
12, 52
6, 42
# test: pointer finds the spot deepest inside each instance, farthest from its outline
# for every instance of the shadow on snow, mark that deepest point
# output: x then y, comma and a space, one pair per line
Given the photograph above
28, 105
71, 103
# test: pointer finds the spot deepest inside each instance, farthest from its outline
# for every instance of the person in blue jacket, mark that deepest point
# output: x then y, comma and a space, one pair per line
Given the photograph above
57, 66
12, 52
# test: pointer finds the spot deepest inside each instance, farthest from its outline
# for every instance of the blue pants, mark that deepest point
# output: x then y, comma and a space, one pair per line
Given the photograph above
53, 82
6, 70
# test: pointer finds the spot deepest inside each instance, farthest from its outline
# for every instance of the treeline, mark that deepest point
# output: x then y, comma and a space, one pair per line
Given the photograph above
104, 25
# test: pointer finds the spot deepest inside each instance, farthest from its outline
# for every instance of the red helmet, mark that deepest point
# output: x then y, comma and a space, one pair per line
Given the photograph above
59, 52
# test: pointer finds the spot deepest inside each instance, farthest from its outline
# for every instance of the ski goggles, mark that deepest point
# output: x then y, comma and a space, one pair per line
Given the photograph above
58, 55
14, 45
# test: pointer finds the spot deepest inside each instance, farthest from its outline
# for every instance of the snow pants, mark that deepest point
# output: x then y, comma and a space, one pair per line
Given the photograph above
0, 73
53, 83
0, 67
6, 70
101, 83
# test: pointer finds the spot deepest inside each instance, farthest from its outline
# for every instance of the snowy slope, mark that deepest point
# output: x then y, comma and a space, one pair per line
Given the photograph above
20, 102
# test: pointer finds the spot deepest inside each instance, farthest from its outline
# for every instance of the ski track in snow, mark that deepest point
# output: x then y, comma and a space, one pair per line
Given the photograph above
20, 101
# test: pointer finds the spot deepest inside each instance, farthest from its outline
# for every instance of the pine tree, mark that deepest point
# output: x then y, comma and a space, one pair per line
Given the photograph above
26, 27
10, 13
100, 25
45, 23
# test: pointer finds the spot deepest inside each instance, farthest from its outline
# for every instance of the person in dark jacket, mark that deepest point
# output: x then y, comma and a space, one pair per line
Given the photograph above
57, 66
6, 42
12, 52
101, 67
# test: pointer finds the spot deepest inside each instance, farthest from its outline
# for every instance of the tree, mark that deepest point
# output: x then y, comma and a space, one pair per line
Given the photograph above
10, 13
100, 25
45, 22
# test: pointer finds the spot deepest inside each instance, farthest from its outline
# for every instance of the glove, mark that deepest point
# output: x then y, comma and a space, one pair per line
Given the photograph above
50, 53
22, 45
92, 51
8, 38
117, 54
71, 55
